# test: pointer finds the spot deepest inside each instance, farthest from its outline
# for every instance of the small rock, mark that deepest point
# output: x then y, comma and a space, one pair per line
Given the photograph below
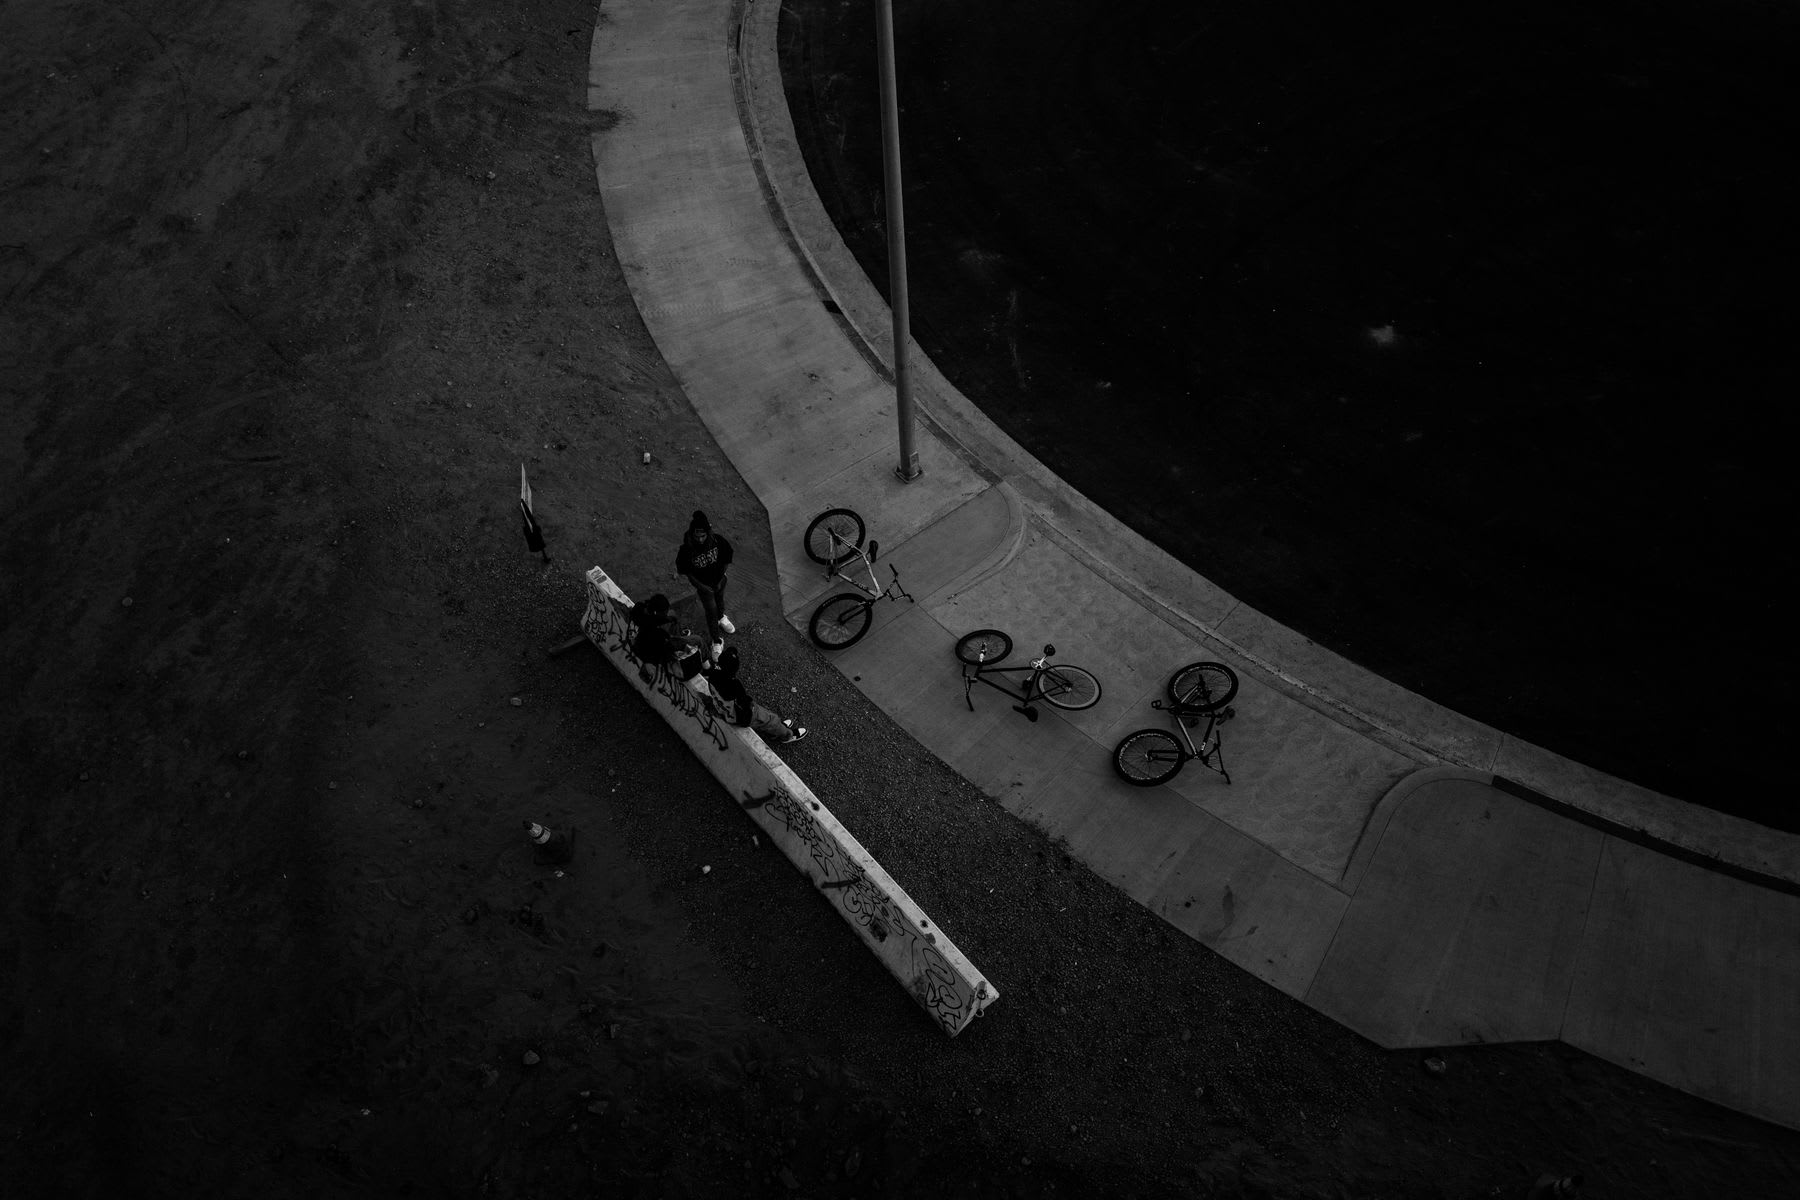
84, 776
612, 1031
706, 870
489, 1075
332, 786
126, 602
1436, 1066
598, 1108
646, 463
789, 1181
852, 1163
516, 702
531, 1058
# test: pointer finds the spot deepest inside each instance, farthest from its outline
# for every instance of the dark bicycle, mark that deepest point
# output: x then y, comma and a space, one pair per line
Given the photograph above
1060, 685
1199, 693
835, 538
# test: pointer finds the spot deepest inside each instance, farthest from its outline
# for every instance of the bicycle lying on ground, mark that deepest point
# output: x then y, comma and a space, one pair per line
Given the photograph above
1198, 692
1060, 685
835, 538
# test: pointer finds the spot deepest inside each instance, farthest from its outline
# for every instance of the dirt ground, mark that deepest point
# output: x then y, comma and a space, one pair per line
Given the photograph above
287, 293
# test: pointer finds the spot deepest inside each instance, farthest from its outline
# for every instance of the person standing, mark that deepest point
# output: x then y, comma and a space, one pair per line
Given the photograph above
702, 561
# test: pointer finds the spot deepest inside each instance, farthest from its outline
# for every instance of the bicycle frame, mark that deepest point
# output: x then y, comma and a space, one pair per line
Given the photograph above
873, 589
1212, 742
1025, 695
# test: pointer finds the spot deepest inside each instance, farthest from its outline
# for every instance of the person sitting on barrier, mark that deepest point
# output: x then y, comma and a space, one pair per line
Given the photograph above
656, 644
745, 712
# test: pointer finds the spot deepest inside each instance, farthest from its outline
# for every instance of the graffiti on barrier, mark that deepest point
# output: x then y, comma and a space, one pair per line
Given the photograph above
928, 965
931, 979
607, 623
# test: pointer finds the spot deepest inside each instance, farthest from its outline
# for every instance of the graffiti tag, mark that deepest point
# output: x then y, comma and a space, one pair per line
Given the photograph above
932, 981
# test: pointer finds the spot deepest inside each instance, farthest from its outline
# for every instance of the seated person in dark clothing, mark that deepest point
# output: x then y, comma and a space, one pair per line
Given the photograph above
656, 643
745, 712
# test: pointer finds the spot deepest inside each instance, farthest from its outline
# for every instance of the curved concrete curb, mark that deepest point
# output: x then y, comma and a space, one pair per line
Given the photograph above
1405, 721
1388, 805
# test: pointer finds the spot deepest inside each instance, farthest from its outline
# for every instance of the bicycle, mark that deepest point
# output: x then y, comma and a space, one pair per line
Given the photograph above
1062, 685
1200, 691
835, 538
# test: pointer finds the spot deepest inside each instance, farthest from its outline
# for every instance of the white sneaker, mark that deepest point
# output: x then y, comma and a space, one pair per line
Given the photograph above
725, 625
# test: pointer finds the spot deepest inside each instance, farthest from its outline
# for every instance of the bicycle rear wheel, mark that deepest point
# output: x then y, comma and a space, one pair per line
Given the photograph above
984, 647
1203, 685
849, 530
1147, 757
841, 621
1068, 687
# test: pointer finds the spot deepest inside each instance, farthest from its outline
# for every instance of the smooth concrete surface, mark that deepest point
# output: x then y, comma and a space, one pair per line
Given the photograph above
1688, 975
1361, 859
1493, 895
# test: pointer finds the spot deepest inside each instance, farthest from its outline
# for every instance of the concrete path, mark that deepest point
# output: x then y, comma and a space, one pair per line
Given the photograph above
1419, 877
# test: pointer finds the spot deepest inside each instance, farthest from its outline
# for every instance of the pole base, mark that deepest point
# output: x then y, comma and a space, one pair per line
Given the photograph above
908, 469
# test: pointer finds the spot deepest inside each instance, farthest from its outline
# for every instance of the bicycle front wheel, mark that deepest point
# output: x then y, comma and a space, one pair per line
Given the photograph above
841, 621
848, 530
984, 647
1203, 685
1068, 687
1147, 757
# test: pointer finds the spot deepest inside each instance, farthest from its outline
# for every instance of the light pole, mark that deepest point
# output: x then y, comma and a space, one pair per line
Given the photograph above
908, 468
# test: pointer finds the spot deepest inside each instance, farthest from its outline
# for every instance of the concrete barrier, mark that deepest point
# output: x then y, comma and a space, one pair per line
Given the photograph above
933, 971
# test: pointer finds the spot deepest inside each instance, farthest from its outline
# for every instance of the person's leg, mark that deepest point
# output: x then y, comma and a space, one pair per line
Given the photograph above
719, 598
709, 605
771, 728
